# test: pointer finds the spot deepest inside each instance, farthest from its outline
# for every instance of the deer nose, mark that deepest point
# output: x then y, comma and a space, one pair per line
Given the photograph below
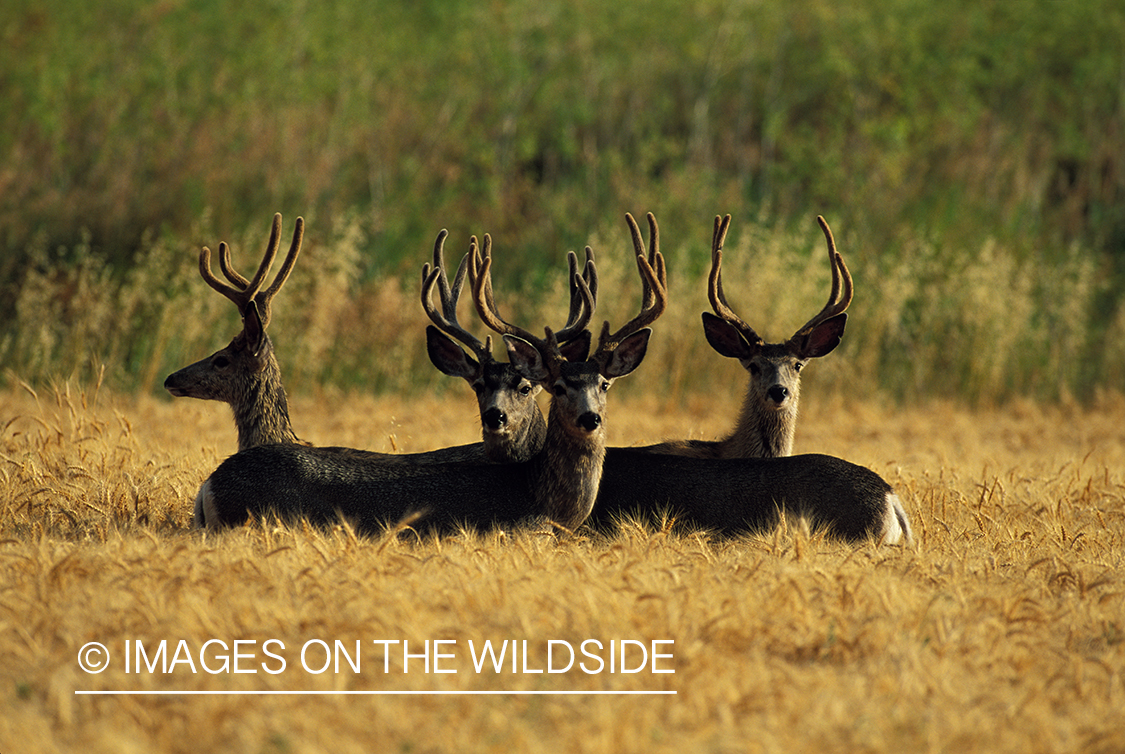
589, 421
494, 418
172, 385
778, 394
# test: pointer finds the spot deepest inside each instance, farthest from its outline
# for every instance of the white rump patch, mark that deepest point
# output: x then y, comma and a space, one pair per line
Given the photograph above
896, 526
204, 507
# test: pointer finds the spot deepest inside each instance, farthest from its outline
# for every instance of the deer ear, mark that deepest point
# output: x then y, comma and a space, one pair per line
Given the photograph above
578, 349
526, 359
824, 337
628, 354
449, 357
725, 338
253, 329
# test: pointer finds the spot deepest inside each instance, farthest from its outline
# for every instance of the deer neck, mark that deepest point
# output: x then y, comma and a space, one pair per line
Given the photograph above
568, 470
531, 440
261, 412
762, 431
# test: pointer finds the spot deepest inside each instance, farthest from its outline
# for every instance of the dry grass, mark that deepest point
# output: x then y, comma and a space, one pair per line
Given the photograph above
1003, 630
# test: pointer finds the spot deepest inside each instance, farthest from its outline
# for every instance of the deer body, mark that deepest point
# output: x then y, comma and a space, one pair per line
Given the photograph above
746, 480
323, 484
735, 496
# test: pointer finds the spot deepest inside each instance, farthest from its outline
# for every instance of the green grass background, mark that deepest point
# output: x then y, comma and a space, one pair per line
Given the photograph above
970, 158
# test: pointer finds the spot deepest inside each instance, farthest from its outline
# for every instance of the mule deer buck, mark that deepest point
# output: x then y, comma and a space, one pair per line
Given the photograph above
559, 483
512, 426
245, 374
768, 419
726, 486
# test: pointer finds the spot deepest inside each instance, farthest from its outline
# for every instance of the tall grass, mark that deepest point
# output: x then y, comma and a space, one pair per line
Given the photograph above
945, 131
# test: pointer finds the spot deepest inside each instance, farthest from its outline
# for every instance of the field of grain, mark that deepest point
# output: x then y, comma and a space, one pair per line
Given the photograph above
1002, 630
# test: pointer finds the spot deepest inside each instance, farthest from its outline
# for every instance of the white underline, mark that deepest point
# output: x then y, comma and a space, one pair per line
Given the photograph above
490, 692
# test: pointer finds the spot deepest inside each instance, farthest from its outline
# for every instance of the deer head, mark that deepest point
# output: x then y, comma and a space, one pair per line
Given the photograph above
560, 361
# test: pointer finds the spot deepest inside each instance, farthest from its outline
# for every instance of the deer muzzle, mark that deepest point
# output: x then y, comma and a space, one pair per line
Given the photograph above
494, 419
589, 421
778, 394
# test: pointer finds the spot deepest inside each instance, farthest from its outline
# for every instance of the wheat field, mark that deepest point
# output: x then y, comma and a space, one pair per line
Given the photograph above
1001, 630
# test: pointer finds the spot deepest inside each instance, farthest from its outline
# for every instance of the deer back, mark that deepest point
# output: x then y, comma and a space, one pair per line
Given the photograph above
737, 496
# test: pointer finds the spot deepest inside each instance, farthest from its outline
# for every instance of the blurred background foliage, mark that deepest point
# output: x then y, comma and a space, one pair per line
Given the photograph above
969, 156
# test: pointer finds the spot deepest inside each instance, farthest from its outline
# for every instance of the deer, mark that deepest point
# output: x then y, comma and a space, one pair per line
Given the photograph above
747, 481
245, 374
513, 427
557, 485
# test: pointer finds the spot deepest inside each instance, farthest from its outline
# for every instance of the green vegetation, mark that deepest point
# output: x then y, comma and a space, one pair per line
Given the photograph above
971, 159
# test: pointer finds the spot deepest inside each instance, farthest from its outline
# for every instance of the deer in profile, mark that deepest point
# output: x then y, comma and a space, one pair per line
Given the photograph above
245, 374
512, 426
558, 484
768, 419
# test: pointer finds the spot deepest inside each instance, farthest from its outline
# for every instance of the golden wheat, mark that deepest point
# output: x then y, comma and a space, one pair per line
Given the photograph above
1003, 630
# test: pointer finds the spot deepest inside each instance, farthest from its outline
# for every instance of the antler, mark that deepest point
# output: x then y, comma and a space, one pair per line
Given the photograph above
244, 291
446, 320
715, 284
654, 299
837, 303
581, 311
655, 260
582, 301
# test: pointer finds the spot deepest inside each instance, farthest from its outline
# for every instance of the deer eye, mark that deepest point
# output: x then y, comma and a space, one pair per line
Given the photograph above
755, 369
605, 386
559, 390
221, 362
797, 367
525, 390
